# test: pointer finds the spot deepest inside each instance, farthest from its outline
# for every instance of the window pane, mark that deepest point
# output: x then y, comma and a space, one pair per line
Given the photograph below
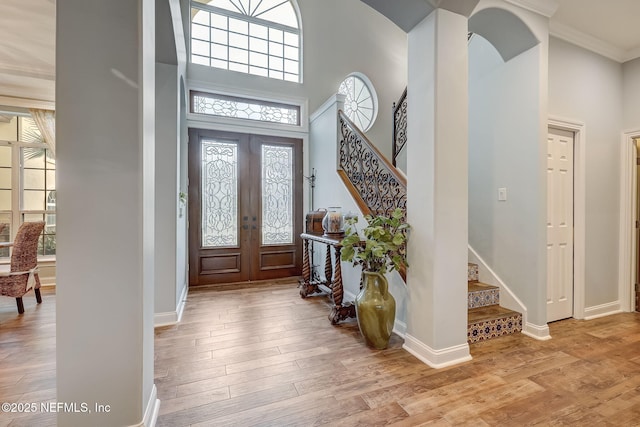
291, 53
291, 39
5, 178
200, 17
259, 71
5, 155
33, 157
9, 131
219, 36
277, 195
218, 21
218, 63
238, 26
238, 40
33, 200
291, 66
29, 132
275, 63
258, 45
238, 55
219, 51
291, 77
258, 59
243, 68
195, 59
5, 200
200, 48
275, 49
256, 30
219, 192
51, 180
200, 32
33, 179
225, 106
275, 35
5, 232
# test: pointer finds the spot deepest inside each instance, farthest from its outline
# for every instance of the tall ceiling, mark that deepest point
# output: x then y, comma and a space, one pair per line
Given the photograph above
27, 35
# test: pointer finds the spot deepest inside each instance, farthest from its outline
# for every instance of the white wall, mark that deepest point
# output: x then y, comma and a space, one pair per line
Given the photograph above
631, 94
340, 37
105, 125
166, 203
587, 87
504, 151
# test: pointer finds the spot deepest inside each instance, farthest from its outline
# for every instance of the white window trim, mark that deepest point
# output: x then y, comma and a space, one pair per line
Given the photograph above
203, 121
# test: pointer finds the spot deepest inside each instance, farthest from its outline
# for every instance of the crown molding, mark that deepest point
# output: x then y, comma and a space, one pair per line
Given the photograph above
543, 7
586, 41
632, 54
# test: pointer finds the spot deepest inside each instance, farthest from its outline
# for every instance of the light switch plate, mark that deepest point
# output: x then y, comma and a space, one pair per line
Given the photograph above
502, 194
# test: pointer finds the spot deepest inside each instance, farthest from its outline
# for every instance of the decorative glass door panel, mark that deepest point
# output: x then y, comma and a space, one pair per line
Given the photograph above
277, 195
219, 180
245, 202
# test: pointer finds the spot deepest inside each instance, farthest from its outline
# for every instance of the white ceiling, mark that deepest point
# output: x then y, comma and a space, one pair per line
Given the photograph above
27, 34
609, 27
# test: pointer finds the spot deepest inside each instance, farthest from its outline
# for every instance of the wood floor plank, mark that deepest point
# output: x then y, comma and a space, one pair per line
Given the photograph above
263, 356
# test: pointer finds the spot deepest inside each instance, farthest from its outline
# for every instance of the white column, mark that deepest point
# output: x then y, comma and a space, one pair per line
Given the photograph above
105, 131
437, 189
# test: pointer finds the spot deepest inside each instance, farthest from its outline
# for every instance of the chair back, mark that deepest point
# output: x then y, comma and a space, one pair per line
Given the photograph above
24, 255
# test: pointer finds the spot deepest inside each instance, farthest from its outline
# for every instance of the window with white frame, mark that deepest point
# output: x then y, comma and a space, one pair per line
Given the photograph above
260, 37
27, 182
361, 100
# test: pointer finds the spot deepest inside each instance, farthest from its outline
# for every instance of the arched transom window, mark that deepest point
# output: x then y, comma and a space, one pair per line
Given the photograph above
260, 37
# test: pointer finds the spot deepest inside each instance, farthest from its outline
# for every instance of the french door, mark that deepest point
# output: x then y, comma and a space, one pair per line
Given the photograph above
245, 207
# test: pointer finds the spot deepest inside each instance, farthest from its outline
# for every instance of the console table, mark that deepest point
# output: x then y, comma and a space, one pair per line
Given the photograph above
333, 276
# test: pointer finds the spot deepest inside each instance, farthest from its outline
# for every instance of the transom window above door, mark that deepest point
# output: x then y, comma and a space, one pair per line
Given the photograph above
260, 37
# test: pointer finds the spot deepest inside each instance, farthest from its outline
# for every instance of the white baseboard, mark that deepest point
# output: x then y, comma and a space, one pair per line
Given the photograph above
153, 409
602, 310
539, 332
437, 358
169, 318
400, 328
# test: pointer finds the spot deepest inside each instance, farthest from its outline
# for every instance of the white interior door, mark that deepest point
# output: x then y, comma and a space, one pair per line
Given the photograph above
559, 225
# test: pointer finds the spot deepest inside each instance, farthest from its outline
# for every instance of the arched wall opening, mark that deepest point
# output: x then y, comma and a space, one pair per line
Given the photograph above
505, 153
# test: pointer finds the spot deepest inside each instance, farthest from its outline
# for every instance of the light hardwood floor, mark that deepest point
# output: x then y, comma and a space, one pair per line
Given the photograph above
264, 356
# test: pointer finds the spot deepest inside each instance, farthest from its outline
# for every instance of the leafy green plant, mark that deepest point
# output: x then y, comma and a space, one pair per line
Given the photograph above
383, 247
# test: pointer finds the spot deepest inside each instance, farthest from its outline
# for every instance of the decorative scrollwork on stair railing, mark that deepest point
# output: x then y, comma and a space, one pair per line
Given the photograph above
376, 185
399, 126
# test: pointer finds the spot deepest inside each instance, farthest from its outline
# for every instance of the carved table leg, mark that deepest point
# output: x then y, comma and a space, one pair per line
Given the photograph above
328, 275
306, 287
339, 312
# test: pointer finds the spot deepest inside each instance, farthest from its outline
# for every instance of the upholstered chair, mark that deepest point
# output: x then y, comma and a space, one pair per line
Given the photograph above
23, 272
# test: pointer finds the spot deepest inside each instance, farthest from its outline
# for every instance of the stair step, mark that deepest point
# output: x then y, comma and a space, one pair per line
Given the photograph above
492, 321
482, 295
472, 272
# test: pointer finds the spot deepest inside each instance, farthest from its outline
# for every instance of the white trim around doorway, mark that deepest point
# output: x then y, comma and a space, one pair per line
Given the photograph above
579, 207
627, 250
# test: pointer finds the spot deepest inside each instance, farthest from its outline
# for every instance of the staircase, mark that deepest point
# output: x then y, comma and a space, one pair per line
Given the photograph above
486, 319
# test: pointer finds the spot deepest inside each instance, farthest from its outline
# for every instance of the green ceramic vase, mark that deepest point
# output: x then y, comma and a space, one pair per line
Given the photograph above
375, 310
